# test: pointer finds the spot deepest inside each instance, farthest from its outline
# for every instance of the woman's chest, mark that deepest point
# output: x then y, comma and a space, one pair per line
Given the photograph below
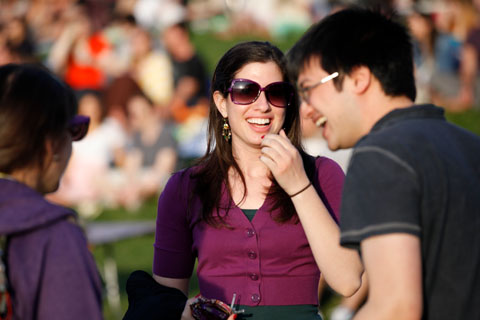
276, 247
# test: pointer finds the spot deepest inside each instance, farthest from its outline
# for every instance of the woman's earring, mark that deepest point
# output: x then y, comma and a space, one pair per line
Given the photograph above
56, 157
226, 132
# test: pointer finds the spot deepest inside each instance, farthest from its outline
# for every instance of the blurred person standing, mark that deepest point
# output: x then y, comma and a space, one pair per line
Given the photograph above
411, 201
422, 29
46, 20
20, 40
16, 42
151, 155
82, 55
469, 92
451, 86
116, 95
152, 69
88, 182
51, 273
189, 104
189, 74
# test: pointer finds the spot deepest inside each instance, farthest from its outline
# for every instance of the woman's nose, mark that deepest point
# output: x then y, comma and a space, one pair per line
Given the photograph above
262, 103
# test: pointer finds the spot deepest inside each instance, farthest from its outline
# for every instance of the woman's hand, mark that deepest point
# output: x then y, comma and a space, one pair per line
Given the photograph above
284, 161
187, 312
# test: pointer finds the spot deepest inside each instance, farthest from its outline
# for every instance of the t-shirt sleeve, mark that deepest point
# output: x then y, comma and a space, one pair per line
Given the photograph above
381, 195
173, 253
330, 178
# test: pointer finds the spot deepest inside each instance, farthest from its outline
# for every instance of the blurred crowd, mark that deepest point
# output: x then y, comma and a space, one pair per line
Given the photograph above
138, 76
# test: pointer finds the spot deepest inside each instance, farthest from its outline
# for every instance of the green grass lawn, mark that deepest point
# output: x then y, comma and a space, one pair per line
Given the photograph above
130, 254
137, 253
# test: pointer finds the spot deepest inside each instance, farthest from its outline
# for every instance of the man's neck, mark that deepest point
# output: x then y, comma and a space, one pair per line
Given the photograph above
379, 107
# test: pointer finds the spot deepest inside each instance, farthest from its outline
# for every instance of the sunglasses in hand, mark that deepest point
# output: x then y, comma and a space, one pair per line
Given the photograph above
212, 309
244, 91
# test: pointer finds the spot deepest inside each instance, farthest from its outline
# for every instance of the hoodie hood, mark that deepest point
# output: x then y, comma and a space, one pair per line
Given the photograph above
24, 209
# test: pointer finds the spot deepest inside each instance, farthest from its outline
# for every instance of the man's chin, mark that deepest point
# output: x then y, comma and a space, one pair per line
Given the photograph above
332, 146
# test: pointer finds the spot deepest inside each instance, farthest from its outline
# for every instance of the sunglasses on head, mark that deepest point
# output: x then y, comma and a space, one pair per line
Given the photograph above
78, 127
244, 91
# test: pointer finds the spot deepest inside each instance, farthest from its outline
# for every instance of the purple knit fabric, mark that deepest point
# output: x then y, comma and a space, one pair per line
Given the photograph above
51, 271
262, 261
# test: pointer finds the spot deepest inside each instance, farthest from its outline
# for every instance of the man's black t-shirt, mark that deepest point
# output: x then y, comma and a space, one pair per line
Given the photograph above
416, 173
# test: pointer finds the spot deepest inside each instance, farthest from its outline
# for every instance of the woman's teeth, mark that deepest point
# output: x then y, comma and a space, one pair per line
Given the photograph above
320, 122
259, 121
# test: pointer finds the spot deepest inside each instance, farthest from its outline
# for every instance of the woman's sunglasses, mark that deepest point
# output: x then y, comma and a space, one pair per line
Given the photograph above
78, 127
210, 309
213, 309
244, 91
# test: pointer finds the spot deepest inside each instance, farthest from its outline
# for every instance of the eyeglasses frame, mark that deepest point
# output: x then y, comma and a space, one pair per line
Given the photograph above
303, 91
230, 89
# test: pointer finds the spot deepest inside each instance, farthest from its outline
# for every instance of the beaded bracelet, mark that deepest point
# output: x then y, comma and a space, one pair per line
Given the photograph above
308, 185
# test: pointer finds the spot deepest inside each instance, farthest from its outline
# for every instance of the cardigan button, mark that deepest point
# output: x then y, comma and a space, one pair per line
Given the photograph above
254, 276
250, 232
255, 297
252, 254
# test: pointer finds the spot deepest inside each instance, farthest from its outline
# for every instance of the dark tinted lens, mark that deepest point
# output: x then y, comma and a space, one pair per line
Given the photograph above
244, 92
79, 127
78, 131
279, 94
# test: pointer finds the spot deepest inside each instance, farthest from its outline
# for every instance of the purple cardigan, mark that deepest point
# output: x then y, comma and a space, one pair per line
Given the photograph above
263, 262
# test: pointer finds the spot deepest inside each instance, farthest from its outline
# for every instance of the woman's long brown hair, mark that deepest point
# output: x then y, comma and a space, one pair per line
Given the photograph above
212, 169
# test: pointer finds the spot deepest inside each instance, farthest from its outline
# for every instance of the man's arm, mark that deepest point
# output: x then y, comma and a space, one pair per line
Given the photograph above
394, 269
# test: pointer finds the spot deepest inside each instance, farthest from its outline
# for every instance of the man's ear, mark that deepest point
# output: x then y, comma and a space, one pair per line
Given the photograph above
220, 103
361, 79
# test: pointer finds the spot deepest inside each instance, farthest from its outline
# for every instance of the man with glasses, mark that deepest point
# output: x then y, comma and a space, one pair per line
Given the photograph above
411, 200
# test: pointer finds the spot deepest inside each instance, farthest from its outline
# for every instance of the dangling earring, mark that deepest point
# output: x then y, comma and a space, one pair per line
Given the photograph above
226, 132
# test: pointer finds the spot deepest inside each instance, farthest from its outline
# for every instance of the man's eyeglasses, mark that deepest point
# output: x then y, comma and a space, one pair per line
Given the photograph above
244, 91
304, 92
78, 127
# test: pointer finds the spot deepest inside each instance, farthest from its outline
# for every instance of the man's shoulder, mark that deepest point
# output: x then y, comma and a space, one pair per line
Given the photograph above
384, 143
419, 137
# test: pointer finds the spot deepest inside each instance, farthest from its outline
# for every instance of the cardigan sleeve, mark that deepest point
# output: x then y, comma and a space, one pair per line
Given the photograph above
173, 254
329, 185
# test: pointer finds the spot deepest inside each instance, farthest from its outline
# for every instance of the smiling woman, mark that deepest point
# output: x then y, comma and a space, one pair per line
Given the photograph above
250, 114
238, 210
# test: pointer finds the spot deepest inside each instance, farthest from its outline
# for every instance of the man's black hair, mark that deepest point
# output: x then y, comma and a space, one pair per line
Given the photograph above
356, 37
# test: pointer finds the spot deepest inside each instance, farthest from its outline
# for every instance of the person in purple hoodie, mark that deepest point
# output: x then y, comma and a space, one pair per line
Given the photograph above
50, 271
